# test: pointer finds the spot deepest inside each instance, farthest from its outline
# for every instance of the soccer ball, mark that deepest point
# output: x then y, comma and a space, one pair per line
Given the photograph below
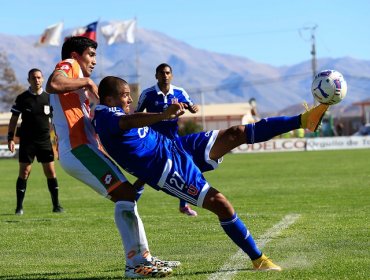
329, 87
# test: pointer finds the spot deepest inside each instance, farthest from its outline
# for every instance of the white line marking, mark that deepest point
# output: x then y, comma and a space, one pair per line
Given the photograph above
238, 261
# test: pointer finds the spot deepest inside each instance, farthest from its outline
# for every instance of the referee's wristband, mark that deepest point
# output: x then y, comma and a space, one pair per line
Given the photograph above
10, 136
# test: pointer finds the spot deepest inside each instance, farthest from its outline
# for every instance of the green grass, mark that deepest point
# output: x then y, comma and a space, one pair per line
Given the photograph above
330, 240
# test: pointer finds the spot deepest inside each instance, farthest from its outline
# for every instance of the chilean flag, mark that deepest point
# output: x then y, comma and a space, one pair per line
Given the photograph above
88, 31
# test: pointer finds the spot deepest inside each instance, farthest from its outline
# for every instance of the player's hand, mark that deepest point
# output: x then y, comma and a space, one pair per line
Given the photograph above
193, 109
138, 184
174, 111
11, 146
92, 88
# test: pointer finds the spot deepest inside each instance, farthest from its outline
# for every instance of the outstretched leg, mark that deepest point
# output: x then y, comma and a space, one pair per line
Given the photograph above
264, 130
260, 131
234, 227
185, 208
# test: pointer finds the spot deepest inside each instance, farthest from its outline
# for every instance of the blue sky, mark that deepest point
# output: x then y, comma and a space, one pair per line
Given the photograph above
274, 32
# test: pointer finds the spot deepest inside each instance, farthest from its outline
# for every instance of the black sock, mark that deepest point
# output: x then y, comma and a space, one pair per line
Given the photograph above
21, 186
53, 189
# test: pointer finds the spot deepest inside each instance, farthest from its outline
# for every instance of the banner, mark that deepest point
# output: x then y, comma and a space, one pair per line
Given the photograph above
5, 153
306, 144
274, 145
338, 143
88, 31
119, 31
51, 36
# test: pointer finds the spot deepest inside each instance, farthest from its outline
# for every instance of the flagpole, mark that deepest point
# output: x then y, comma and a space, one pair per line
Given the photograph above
99, 40
101, 61
137, 54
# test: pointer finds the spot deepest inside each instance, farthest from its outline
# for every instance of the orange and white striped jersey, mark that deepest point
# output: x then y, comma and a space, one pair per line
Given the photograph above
71, 112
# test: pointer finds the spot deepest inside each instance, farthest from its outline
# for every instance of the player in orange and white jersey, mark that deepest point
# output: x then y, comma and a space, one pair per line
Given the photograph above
72, 94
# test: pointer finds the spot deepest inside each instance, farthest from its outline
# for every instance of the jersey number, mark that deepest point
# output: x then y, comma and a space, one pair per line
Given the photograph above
177, 180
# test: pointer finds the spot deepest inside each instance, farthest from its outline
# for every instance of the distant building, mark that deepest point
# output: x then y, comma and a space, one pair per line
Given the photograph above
218, 116
365, 110
4, 122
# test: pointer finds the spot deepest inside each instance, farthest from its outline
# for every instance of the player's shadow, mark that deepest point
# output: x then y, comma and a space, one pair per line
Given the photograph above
22, 220
60, 275
185, 275
67, 275
7, 214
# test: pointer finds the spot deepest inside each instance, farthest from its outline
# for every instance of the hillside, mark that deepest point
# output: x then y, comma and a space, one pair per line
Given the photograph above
221, 78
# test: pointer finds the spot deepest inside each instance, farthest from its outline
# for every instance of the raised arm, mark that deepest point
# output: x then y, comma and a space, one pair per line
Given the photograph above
145, 119
58, 83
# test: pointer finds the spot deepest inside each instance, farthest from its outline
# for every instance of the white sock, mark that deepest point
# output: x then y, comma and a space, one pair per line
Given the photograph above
132, 233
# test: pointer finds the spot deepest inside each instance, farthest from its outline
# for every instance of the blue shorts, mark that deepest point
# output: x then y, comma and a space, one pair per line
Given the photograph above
198, 146
182, 175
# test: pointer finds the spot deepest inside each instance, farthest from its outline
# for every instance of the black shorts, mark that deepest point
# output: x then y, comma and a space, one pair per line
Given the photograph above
29, 150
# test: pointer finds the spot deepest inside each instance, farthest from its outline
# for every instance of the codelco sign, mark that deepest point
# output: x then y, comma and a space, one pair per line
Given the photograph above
274, 145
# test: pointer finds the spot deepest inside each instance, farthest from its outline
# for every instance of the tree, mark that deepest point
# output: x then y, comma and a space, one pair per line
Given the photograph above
9, 85
189, 127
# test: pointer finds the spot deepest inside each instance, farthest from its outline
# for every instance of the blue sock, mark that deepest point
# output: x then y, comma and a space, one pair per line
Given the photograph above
182, 203
268, 128
238, 232
139, 192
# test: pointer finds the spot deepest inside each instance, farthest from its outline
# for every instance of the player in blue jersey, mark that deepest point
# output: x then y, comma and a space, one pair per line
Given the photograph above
156, 99
176, 165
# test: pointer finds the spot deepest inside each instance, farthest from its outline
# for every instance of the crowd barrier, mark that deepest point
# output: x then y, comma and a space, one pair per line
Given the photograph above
5, 153
306, 144
277, 145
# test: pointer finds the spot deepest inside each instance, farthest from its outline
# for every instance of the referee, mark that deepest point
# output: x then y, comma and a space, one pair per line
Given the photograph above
34, 138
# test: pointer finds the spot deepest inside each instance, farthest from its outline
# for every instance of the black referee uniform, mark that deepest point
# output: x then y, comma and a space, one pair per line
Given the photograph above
34, 139
34, 132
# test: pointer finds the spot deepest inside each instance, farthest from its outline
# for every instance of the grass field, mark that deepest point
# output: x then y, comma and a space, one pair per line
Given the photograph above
328, 193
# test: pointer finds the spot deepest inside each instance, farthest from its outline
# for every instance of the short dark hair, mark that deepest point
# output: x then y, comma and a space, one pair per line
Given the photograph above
110, 86
161, 66
77, 44
33, 70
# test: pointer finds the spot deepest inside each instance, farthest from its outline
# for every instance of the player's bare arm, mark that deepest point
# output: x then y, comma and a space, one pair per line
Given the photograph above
58, 83
11, 131
146, 119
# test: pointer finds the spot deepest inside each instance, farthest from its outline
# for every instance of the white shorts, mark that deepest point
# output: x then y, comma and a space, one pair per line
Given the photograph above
92, 167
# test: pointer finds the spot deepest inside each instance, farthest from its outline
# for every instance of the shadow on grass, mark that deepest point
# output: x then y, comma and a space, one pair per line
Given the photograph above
21, 220
74, 275
60, 275
7, 214
193, 274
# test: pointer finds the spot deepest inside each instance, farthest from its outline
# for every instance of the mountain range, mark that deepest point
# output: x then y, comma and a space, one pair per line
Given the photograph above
221, 78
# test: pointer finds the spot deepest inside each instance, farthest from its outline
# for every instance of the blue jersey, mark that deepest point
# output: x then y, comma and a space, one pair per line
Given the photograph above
174, 166
136, 150
154, 100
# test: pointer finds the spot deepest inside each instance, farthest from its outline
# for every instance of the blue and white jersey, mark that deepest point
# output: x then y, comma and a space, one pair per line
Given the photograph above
154, 100
140, 151
174, 166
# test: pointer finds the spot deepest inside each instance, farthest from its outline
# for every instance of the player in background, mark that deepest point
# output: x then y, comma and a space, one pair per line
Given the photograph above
34, 135
81, 155
176, 165
157, 99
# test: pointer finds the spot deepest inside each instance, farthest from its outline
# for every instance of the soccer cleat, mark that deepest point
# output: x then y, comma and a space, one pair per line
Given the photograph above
147, 270
19, 211
58, 209
311, 119
160, 263
188, 211
263, 263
